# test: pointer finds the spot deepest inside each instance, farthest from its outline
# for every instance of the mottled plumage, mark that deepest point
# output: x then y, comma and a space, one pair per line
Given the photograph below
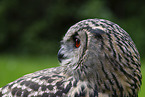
98, 59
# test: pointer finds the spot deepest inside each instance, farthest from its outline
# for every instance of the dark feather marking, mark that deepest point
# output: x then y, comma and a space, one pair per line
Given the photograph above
50, 87
75, 83
45, 78
59, 76
106, 75
35, 77
95, 93
58, 84
34, 86
14, 91
19, 92
19, 80
97, 32
66, 90
45, 95
59, 93
118, 85
50, 80
0, 94
4, 86
10, 85
76, 94
114, 93
31, 84
43, 87
26, 93
83, 93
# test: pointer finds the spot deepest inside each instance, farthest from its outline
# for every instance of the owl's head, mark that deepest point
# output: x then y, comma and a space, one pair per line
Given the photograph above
99, 50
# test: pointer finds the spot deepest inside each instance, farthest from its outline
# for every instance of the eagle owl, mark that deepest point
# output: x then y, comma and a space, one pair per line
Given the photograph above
97, 59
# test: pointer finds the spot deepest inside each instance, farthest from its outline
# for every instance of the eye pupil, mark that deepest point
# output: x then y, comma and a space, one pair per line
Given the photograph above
77, 42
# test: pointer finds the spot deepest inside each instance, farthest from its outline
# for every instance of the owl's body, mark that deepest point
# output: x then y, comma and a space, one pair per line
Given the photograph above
48, 83
98, 59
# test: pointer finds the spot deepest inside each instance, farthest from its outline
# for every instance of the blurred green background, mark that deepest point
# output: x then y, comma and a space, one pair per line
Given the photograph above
30, 30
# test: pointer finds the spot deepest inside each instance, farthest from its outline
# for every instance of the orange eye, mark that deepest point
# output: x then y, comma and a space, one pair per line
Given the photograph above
77, 42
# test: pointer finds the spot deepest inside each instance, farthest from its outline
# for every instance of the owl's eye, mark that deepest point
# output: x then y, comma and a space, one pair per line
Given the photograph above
77, 42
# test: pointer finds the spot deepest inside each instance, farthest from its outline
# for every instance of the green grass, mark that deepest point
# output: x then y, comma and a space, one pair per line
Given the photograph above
15, 66
142, 93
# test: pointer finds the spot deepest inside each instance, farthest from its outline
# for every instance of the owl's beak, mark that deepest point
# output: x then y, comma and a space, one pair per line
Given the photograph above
60, 55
